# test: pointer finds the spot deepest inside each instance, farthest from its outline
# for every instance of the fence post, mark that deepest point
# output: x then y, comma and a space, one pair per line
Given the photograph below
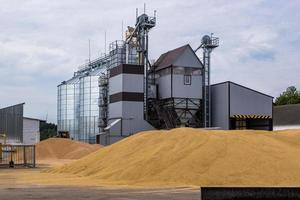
34, 156
24, 156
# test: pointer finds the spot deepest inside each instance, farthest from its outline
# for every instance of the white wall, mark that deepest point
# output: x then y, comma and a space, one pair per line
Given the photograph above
31, 131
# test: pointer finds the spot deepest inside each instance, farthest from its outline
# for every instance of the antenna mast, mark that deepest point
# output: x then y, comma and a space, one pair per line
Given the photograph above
89, 51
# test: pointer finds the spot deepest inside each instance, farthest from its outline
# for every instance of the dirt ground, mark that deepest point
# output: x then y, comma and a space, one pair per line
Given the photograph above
24, 184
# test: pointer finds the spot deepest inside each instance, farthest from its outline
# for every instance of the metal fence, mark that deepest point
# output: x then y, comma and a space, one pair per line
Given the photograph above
17, 156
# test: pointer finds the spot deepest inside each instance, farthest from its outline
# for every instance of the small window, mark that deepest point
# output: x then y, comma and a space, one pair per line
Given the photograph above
187, 79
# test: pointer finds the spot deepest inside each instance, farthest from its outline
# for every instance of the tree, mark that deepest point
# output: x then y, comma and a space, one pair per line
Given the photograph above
47, 130
290, 96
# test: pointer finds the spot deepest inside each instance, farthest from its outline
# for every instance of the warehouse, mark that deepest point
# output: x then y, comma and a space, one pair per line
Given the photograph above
17, 129
122, 92
237, 107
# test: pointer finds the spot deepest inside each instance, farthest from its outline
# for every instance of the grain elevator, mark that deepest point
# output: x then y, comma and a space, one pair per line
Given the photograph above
122, 92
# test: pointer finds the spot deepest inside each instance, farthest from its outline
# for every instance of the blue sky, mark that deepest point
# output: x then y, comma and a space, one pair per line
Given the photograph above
43, 42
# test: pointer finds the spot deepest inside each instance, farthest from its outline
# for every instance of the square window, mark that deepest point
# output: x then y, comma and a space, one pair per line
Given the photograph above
187, 79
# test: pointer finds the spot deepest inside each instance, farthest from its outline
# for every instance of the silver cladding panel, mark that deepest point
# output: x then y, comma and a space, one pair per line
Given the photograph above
11, 123
180, 90
243, 101
126, 109
219, 104
164, 86
31, 131
126, 83
248, 102
131, 112
188, 59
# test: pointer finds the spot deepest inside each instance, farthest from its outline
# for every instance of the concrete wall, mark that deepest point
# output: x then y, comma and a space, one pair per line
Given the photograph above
219, 103
245, 101
31, 131
286, 127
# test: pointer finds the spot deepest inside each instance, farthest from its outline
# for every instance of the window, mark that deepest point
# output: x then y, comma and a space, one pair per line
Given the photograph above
187, 79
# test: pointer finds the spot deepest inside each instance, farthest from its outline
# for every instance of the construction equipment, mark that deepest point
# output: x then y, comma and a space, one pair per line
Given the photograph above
63, 134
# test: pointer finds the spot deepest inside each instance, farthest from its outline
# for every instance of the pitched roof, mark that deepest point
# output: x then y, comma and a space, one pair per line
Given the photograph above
169, 58
287, 115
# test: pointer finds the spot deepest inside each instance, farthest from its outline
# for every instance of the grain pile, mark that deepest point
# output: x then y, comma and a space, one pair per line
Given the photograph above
60, 148
187, 156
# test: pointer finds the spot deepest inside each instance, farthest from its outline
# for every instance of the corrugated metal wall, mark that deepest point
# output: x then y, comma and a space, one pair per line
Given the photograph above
11, 123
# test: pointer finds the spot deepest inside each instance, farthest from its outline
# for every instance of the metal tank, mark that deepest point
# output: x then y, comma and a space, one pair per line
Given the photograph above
68, 106
89, 109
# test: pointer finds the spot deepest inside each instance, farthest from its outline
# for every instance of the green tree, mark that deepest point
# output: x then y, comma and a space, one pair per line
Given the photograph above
47, 130
290, 96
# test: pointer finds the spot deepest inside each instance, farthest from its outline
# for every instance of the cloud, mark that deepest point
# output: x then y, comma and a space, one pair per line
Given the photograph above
43, 42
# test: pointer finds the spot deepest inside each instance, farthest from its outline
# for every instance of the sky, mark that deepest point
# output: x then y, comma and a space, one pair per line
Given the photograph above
43, 42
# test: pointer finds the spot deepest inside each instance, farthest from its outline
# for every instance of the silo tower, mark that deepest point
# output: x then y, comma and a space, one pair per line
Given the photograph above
208, 43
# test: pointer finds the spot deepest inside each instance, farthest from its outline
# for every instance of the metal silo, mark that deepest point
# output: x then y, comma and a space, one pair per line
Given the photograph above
89, 109
68, 106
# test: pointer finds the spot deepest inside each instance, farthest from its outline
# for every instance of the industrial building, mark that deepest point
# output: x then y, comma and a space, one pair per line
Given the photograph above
237, 107
122, 93
17, 129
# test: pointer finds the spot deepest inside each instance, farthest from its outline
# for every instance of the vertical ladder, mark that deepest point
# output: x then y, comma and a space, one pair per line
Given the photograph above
206, 88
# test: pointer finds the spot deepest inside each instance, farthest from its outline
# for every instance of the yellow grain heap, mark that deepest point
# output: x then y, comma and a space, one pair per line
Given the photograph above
60, 148
187, 156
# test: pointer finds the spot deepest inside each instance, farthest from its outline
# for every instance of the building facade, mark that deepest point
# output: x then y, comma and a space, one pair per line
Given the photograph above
237, 107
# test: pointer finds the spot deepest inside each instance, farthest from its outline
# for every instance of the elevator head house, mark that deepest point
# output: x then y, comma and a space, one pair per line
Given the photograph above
178, 96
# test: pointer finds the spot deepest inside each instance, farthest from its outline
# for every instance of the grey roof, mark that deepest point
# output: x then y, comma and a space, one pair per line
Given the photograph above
287, 115
247, 88
30, 118
169, 58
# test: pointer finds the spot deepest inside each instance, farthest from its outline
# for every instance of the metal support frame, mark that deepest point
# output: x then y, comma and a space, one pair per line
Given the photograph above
208, 43
141, 32
176, 112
